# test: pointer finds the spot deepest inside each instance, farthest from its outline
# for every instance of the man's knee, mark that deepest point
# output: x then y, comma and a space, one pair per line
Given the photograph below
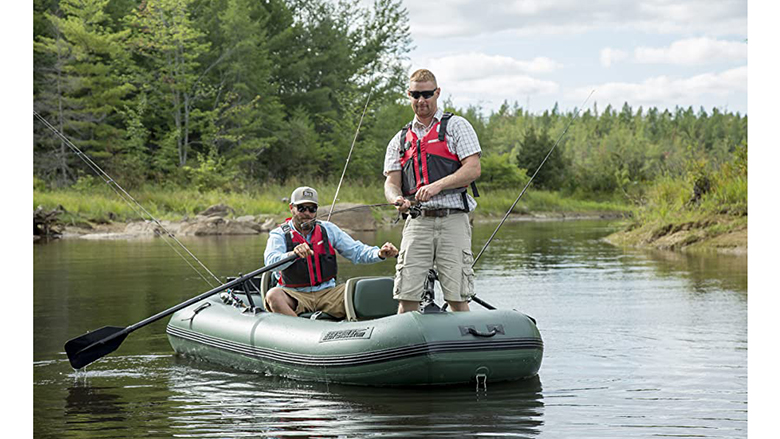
276, 298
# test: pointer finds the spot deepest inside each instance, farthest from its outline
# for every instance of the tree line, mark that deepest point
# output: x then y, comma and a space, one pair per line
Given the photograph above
228, 94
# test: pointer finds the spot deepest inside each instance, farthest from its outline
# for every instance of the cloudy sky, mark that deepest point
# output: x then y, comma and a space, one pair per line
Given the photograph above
661, 53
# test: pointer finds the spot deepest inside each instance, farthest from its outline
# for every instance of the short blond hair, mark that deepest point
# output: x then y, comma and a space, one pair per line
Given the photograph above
423, 75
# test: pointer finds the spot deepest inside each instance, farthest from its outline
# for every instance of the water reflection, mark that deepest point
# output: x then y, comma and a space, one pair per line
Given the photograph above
91, 404
706, 272
243, 404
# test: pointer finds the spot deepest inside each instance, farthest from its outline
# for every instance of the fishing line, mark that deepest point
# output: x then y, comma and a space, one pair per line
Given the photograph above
531, 179
344, 172
362, 206
127, 198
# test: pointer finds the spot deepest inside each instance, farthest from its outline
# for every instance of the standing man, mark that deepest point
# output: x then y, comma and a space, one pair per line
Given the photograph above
308, 284
433, 160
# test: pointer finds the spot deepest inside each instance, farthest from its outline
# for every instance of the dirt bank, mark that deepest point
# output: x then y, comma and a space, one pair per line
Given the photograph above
718, 233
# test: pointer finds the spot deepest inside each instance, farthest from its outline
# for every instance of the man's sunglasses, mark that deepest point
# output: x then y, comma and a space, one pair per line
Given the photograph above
427, 94
312, 209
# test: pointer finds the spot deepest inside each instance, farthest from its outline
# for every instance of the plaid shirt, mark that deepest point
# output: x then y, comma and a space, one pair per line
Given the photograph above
461, 141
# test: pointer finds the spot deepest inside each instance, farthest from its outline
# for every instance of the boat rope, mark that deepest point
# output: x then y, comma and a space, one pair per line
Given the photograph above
132, 202
531, 179
344, 172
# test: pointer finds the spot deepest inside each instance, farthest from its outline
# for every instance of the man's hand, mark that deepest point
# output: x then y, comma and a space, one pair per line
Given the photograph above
402, 204
388, 250
303, 250
427, 192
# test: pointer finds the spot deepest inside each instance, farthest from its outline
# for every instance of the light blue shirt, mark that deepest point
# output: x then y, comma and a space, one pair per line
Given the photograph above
345, 245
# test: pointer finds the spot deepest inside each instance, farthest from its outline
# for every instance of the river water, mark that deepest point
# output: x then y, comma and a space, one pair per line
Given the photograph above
637, 344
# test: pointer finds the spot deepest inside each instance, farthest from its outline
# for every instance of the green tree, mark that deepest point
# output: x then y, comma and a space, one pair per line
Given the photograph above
248, 118
171, 49
533, 149
84, 83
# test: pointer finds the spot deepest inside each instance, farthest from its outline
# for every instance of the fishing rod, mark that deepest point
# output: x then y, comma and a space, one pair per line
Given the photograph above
344, 172
530, 180
362, 206
132, 202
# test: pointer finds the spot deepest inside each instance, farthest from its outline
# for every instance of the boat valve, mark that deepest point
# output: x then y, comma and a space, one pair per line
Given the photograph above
481, 375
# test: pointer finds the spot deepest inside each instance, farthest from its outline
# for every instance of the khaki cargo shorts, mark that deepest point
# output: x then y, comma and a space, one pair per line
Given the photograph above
442, 243
329, 300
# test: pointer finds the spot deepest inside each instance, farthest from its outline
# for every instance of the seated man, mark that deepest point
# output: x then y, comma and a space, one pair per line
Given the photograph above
309, 284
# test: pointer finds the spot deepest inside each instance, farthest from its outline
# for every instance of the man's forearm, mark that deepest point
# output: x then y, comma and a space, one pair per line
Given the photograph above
393, 187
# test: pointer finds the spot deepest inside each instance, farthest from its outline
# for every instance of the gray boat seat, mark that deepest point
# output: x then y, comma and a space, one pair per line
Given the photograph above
369, 297
267, 282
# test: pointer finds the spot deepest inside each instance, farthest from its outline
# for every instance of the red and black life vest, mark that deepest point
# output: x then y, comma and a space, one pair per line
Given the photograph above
314, 270
426, 160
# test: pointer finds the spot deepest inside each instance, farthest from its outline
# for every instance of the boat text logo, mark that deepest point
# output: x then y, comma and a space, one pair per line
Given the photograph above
347, 334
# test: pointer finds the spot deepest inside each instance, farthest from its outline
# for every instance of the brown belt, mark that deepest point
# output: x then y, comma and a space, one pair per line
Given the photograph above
438, 213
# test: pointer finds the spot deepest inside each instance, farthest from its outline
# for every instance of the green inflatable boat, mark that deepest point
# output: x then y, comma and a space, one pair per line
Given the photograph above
373, 346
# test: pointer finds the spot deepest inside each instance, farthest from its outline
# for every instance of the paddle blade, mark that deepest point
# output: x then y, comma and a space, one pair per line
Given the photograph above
94, 345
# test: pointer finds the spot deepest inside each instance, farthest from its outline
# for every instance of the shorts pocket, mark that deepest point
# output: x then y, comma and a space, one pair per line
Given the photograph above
397, 282
467, 283
468, 257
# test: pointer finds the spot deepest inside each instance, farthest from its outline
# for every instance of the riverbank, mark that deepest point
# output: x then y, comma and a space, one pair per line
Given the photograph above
95, 210
218, 224
725, 234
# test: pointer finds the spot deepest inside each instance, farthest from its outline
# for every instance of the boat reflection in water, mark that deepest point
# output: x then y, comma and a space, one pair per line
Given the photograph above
217, 399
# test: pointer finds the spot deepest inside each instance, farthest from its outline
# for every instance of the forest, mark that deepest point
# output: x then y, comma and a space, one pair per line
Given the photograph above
232, 95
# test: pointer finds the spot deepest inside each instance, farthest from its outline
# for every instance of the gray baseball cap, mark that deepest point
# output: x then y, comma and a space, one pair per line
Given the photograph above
304, 194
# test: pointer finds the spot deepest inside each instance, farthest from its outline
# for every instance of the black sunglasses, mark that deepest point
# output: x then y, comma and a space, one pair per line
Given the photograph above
427, 94
312, 209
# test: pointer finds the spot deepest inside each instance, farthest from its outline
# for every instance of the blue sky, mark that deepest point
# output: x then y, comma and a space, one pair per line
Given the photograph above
538, 52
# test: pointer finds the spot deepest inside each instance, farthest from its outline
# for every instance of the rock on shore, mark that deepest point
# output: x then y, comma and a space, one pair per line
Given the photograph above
216, 221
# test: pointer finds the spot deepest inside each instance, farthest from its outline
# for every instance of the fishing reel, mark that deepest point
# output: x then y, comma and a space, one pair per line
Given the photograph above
229, 298
414, 211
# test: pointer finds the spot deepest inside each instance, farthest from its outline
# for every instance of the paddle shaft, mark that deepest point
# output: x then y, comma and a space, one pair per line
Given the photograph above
195, 299
209, 293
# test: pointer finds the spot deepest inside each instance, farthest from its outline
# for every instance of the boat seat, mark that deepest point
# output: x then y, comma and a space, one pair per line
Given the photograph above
267, 282
369, 297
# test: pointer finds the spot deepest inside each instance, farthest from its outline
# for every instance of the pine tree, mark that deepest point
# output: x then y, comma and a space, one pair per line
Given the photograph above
171, 49
533, 149
84, 85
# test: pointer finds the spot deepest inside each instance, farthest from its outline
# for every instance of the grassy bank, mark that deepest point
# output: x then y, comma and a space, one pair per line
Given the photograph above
97, 202
703, 210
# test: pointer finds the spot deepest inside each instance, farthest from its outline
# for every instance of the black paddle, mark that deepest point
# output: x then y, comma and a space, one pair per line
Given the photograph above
96, 344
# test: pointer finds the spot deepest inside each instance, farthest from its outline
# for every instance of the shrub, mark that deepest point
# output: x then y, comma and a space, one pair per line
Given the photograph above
499, 172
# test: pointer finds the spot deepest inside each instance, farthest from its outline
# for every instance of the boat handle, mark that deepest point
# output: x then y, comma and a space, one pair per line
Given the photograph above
196, 311
471, 330
492, 330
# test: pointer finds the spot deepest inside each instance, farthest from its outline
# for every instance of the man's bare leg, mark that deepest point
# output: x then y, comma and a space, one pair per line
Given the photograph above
280, 302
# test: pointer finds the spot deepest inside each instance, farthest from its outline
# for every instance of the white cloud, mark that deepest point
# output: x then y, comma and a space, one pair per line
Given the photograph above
693, 51
664, 91
609, 55
473, 65
464, 18
487, 80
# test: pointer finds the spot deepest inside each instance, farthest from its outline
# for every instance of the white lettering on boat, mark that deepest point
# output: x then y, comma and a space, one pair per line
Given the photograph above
347, 334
